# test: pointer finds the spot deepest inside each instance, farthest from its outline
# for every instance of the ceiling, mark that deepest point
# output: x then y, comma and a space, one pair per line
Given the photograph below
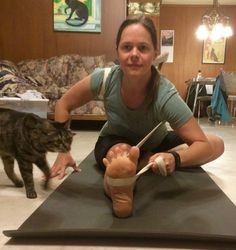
201, 2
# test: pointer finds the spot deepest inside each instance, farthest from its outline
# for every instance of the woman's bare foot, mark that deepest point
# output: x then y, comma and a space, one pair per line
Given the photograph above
119, 180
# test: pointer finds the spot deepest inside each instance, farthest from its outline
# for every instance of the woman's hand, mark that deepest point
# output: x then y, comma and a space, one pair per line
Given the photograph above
168, 161
63, 161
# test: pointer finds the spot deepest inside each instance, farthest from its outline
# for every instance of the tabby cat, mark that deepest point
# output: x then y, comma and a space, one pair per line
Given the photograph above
27, 138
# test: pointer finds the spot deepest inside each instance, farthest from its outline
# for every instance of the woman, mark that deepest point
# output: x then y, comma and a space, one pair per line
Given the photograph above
136, 99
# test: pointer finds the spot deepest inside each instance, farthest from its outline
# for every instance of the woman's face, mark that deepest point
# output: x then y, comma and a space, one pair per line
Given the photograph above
136, 51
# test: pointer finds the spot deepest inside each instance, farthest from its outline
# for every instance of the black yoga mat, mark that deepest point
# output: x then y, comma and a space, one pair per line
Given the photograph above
186, 205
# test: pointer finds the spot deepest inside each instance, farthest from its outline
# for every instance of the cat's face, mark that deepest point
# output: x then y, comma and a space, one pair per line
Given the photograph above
48, 135
59, 138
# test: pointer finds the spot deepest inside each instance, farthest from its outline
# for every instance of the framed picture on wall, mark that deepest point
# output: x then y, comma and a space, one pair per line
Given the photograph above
214, 51
167, 44
73, 15
143, 7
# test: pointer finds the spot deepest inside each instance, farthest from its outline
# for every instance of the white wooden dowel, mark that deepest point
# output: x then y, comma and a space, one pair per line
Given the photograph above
148, 135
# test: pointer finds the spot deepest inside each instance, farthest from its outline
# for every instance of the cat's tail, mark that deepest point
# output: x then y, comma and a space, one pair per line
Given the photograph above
76, 24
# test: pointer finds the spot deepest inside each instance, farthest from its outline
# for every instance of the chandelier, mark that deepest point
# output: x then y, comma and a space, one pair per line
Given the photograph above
214, 25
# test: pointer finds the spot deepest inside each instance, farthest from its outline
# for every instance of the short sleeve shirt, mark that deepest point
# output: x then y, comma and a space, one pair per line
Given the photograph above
134, 124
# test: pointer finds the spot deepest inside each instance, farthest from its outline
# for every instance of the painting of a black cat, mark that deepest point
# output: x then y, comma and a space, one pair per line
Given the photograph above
26, 138
80, 9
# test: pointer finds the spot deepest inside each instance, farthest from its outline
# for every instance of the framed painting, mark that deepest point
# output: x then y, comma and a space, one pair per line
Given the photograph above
214, 51
167, 44
137, 7
74, 15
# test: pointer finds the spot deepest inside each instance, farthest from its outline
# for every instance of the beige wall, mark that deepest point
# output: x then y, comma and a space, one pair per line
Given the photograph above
26, 31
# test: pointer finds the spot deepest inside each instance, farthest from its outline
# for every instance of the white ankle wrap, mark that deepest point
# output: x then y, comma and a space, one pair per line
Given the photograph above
161, 165
121, 182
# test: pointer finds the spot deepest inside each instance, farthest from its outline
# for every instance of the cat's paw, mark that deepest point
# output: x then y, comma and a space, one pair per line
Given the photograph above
45, 184
31, 194
19, 183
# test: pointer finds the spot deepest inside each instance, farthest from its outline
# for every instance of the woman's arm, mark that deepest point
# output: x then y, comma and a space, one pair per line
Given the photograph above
201, 148
75, 97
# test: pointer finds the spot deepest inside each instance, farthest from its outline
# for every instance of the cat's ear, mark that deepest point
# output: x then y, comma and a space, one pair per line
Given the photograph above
31, 120
65, 124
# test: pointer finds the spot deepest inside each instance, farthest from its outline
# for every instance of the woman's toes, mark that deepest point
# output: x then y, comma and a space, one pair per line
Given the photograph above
134, 154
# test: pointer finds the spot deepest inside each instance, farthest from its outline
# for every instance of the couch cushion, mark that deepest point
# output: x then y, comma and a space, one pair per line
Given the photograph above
62, 70
92, 62
80, 67
37, 69
45, 71
57, 69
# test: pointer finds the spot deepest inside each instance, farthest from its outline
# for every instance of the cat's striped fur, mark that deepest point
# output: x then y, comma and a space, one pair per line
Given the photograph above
27, 138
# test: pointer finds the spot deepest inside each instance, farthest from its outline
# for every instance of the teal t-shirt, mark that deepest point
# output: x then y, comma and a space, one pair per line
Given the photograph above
134, 124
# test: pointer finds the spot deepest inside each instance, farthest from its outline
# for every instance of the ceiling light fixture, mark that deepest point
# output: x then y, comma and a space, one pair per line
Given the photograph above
214, 24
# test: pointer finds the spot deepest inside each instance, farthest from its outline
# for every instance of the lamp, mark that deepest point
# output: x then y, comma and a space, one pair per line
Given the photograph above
214, 24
